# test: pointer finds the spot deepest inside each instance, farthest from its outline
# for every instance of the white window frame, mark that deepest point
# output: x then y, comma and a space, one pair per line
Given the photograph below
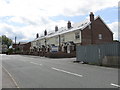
77, 35
100, 36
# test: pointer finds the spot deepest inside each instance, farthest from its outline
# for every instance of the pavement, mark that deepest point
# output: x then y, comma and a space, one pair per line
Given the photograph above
7, 81
40, 72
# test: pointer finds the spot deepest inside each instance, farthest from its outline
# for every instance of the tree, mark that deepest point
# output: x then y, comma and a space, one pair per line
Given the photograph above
5, 41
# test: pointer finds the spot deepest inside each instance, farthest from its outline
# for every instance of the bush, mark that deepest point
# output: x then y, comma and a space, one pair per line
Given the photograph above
10, 51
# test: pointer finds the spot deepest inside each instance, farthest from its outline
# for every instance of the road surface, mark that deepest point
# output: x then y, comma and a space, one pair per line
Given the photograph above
41, 72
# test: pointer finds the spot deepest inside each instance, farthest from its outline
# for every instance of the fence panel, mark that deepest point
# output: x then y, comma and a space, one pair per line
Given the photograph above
95, 53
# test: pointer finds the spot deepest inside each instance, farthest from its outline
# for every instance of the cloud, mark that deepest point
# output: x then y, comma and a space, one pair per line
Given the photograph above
10, 32
28, 17
32, 8
28, 21
114, 27
7, 1
27, 33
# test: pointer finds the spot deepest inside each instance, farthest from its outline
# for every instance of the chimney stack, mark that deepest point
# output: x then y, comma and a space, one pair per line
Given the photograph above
45, 32
56, 28
91, 16
37, 35
69, 25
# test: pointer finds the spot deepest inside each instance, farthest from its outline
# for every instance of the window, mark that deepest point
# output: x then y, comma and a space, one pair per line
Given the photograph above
77, 35
100, 36
39, 44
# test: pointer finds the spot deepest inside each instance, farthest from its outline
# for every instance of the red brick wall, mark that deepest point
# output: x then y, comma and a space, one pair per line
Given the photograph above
26, 47
86, 36
15, 45
98, 28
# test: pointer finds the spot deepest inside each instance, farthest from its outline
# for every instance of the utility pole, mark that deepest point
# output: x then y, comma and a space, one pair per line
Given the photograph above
15, 44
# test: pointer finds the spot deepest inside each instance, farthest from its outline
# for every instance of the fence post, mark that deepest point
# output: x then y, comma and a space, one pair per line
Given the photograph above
99, 52
85, 54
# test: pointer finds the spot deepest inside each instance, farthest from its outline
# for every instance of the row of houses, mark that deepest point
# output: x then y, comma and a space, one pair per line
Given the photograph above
65, 39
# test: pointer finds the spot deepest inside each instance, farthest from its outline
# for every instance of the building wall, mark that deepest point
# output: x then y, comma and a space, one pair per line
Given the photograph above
33, 44
101, 29
42, 41
92, 37
52, 40
86, 36
70, 36
26, 47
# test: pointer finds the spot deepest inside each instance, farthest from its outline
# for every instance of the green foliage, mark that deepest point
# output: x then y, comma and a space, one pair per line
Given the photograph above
5, 40
10, 51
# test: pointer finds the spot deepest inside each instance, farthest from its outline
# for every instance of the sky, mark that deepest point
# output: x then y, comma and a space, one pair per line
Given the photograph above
25, 18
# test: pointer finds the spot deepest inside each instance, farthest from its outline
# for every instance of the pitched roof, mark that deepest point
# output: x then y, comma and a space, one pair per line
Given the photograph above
63, 30
21, 43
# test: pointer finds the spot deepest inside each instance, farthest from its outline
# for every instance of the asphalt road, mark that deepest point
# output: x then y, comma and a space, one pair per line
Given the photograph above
41, 72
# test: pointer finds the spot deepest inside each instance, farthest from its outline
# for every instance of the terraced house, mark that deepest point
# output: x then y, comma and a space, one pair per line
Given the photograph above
64, 39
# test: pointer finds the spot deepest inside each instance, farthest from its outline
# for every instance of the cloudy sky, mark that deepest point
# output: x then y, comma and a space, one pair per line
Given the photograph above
25, 18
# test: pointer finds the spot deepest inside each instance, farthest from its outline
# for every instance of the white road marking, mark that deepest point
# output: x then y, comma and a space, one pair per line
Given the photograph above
36, 63
11, 77
23, 60
39, 64
115, 85
67, 72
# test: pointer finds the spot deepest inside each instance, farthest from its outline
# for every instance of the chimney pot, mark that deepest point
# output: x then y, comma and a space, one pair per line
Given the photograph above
91, 16
69, 25
56, 28
45, 32
37, 35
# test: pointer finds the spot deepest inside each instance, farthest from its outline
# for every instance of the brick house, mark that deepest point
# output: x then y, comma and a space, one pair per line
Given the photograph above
22, 47
97, 32
26, 48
